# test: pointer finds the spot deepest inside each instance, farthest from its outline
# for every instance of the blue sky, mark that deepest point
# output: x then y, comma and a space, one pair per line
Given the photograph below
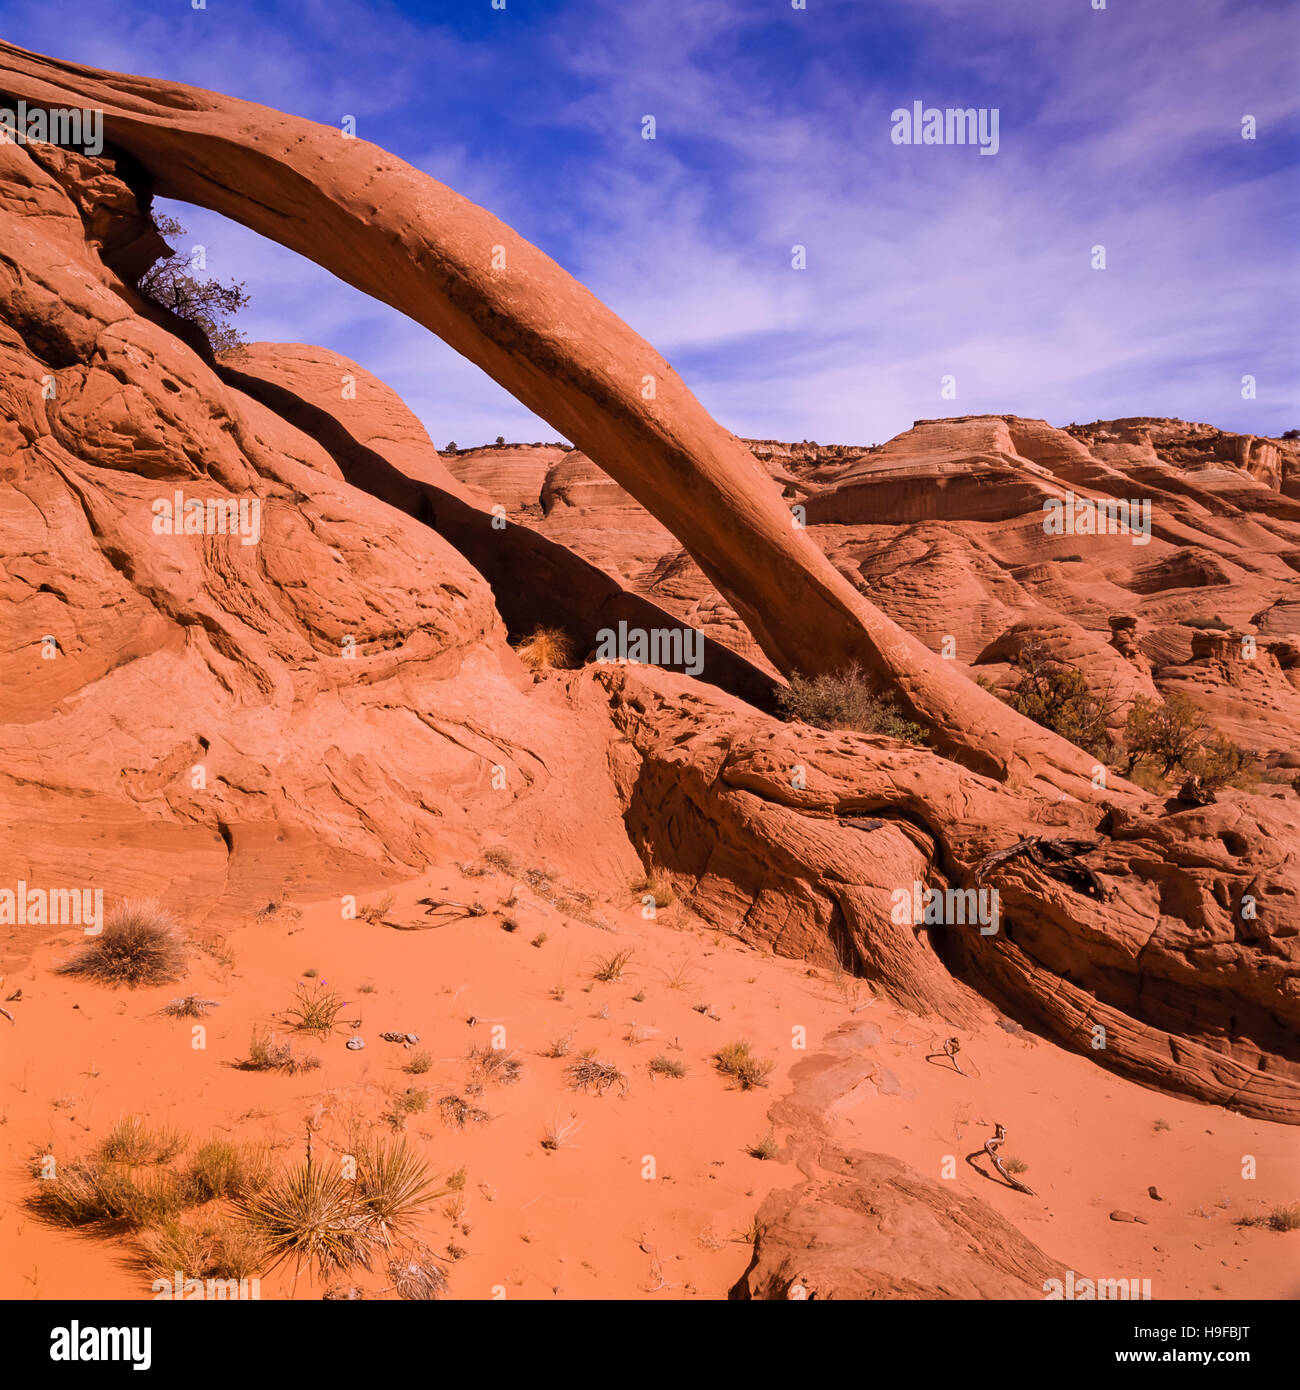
1119, 127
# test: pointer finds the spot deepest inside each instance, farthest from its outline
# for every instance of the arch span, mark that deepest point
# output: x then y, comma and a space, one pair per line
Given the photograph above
415, 244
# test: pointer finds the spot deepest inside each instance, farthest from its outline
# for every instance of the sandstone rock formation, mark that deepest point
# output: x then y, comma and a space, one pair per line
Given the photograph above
226, 724
870, 1228
415, 244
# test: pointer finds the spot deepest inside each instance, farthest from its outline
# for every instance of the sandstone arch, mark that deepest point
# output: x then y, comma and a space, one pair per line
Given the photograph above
413, 243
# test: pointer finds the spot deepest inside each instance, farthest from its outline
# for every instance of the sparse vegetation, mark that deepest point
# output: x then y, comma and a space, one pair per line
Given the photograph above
377, 910
315, 1009
560, 1046
419, 1062
612, 968
266, 1053
737, 1061
502, 858
140, 944
459, 1112
188, 1006
220, 1168
558, 1134
1015, 1165
655, 886
94, 1192
208, 304
1057, 695
846, 700
667, 1066
214, 1247
765, 1148
1176, 734
1285, 1218
496, 1064
591, 1074
134, 1142
546, 649
1169, 733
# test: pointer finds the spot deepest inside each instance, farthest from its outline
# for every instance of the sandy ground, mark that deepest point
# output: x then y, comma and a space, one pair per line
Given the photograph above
657, 1192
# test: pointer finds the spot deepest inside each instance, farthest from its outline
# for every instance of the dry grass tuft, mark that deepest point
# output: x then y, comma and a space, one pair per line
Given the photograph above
495, 1064
667, 1066
547, 649
315, 1009
266, 1053
559, 1133
737, 1060
132, 1141
188, 1006
591, 1074
140, 944
459, 1112
612, 968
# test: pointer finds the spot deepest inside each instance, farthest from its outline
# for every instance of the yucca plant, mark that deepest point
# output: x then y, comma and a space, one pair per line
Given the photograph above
394, 1186
310, 1215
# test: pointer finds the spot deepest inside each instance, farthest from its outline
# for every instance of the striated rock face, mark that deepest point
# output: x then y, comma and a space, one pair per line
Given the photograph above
413, 243
215, 722
872, 1228
334, 703
943, 529
1183, 971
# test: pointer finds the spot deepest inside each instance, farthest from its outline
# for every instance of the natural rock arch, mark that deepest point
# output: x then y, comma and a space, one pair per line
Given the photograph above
413, 243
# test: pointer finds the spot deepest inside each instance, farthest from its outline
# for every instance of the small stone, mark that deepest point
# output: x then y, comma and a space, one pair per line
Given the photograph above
1122, 1216
413, 1038
1154, 1195
355, 1044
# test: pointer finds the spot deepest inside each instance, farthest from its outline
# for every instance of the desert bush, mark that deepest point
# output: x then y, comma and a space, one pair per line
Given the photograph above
394, 1186
140, 944
765, 1148
656, 886
846, 700
315, 1009
667, 1066
189, 1006
495, 1064
1285, 1218
133, 1141
546, 649
210, 1248
1057, 696
418, 1063
220, 1168
92, 1192
266, 1053
1219, 762
737, 1060
457, 1111
207, 303
377, 910
591, 1074
611, 968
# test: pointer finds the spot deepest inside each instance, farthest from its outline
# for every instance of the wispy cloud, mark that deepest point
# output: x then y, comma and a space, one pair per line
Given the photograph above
1119, 128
